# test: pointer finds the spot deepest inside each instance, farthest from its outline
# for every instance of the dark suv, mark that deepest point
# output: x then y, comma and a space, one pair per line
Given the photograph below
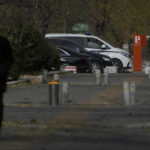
98, 61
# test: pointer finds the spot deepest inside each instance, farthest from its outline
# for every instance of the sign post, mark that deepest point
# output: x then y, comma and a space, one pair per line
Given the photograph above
138, 42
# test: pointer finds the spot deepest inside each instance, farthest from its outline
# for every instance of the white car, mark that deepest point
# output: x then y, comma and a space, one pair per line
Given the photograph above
121, 58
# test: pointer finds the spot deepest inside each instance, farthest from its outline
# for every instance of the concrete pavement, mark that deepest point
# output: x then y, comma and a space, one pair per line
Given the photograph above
96, 117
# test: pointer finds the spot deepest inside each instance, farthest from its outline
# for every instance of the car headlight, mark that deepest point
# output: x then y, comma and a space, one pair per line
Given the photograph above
126, 54
106, 58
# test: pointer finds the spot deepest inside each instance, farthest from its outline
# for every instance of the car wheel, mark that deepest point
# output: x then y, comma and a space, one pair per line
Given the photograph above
117, 63
95, 66
62, 67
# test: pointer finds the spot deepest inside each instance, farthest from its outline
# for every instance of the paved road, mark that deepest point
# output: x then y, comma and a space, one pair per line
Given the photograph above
95, 117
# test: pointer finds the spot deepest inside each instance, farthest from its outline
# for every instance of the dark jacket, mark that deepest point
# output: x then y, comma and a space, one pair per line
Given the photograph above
6, 60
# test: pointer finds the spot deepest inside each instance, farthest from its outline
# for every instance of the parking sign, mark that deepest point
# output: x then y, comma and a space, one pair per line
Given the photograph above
138, 42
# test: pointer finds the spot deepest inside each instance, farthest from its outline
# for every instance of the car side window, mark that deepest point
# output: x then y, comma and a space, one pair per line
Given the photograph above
94, 43
71, 46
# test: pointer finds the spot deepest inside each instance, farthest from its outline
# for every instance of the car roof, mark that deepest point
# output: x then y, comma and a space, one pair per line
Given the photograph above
67, 34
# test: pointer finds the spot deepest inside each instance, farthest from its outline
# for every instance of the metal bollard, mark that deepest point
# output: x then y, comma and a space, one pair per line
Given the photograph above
106, 76
65, 92
149, 75
53, 93
98, 77
56, 77
132, 92
45, 76
126, 93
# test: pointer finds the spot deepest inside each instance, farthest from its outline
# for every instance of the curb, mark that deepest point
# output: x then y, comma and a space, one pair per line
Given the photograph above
16, 82
34, 78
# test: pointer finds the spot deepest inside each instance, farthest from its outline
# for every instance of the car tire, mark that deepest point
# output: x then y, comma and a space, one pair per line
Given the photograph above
95, 66
117, 63
63, 65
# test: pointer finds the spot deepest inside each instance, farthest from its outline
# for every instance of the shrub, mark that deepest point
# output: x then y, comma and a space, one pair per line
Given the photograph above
31, 51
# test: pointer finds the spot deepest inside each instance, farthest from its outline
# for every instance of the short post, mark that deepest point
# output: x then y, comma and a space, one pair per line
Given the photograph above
98, 76
106, 76
53, 93
132, 92
56, 77
126, 93
65, 92
149, 75
45, 76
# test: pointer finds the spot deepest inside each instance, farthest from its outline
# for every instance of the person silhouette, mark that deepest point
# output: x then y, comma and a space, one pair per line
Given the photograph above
6, 60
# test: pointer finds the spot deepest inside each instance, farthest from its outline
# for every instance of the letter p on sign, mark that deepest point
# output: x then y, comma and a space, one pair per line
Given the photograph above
137, 40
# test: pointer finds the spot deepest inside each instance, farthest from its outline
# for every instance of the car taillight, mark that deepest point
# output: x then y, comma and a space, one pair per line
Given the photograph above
84, 58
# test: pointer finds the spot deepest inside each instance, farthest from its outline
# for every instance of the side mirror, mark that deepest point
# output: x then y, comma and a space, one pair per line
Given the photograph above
104, 46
